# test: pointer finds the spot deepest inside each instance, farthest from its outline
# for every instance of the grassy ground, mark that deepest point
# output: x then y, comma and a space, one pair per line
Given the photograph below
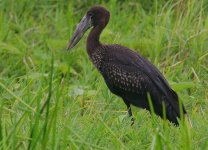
53, 99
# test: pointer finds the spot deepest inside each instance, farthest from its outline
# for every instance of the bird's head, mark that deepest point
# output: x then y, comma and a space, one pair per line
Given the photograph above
96, 16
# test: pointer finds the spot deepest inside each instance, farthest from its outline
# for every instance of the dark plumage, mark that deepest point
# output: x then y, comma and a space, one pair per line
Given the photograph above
125, 72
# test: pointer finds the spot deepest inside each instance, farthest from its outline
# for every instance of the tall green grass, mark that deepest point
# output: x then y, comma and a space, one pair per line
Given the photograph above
53, 99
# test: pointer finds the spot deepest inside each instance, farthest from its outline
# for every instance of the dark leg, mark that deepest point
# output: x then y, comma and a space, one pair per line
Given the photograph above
130, 112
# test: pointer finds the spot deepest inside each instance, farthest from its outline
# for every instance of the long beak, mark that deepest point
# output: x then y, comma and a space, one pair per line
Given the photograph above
82, 27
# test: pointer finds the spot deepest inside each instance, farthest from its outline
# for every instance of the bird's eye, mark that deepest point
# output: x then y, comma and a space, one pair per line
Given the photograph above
90, 15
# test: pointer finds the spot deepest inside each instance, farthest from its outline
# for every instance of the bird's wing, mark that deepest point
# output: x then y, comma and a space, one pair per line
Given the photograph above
122, 56
124, 78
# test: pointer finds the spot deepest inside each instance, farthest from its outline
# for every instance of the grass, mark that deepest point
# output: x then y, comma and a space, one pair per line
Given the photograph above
53, 99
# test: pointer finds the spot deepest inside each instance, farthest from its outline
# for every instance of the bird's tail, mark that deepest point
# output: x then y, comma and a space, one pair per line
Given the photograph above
173, 110
172, 116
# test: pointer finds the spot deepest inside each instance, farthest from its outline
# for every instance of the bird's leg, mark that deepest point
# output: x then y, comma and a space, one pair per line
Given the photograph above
130, 113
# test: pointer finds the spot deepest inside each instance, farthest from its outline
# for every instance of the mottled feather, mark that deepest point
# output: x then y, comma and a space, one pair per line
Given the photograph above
126, 73
131, 77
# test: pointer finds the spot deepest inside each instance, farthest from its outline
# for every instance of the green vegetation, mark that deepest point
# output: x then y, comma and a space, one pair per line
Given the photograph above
53, 99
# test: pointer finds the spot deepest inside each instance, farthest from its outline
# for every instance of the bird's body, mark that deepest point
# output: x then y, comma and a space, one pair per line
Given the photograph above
129, 75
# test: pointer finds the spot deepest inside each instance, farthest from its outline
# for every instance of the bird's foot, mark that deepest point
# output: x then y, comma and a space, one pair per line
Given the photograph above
132, 121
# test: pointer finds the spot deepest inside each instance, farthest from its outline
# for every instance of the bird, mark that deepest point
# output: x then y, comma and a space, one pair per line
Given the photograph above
126, 73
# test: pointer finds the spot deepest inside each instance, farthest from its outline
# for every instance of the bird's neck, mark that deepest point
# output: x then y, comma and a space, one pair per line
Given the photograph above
93, 40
